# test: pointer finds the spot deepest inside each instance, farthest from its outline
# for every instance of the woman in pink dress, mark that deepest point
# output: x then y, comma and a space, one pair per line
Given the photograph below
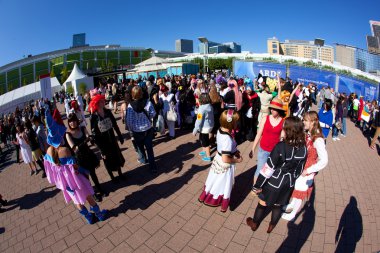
62, 170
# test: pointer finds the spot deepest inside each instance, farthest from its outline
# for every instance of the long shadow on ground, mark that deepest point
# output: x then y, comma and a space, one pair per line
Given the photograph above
31, 200
242, 187
167, 162
6, 157
298, 234
350, 228
144, 198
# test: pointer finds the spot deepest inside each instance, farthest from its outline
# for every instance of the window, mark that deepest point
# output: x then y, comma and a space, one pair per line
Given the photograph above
275, 51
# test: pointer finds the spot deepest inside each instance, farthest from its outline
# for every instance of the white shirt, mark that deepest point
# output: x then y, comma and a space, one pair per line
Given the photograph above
319, 145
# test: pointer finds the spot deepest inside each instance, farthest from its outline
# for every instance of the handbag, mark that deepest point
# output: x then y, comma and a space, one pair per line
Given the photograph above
338, 125
171, 115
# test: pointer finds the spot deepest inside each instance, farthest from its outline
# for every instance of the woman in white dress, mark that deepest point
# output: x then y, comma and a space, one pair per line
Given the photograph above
26, 151
167, 100
220, 179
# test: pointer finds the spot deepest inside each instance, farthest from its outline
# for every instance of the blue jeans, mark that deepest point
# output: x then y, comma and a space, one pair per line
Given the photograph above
344, 126
262, 157
144, 142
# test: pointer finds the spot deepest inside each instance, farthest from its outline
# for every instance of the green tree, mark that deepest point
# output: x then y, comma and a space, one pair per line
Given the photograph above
82, 88
52, 74
64, 74
69, 89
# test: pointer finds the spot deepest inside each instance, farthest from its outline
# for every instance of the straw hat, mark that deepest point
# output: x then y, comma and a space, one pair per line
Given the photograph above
276, 103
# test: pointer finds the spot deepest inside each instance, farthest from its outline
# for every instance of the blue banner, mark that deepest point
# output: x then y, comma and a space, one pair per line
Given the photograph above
308, 75
252, 69
361, 88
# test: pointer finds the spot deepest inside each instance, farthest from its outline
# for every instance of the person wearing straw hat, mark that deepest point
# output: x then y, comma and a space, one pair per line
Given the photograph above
268, 134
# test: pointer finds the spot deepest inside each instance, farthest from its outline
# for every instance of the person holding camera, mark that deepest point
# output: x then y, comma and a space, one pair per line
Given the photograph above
77, 137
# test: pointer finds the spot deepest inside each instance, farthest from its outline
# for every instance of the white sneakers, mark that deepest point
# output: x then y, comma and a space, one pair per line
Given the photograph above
288, 216
335, 139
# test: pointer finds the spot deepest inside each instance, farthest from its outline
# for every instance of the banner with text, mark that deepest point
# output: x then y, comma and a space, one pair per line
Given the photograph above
308, 75
350, 84
45, 86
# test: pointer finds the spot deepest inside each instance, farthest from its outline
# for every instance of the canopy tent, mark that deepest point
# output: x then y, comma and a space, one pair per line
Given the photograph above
159, 66
77, 77
18, 97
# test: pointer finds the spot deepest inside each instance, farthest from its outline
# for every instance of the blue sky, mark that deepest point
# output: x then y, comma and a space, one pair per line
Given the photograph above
38, 26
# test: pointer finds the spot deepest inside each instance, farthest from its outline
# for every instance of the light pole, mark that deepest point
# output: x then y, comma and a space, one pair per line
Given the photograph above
204, 40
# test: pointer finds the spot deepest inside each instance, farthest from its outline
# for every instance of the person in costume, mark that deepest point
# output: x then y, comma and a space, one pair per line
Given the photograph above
265, 98
167, 101
63, 171
103, 124
204, 125
77, 138
317, 159
220, 179
275, 183
78, 112
26, 151
250, 111
268, 134
325, 116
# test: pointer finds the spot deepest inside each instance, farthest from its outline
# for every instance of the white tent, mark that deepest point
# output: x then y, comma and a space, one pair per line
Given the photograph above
152, 64
76, 77
18, 97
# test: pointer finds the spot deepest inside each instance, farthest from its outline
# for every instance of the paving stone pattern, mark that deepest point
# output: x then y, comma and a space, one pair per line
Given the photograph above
161, 213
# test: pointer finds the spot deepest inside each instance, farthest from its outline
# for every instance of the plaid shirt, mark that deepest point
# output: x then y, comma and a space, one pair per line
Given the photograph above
139, 122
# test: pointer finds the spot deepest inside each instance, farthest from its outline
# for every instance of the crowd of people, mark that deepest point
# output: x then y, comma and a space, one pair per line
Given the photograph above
224, 111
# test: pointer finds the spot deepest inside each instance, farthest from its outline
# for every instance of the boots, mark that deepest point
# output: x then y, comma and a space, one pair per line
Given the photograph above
87, 215
100, 214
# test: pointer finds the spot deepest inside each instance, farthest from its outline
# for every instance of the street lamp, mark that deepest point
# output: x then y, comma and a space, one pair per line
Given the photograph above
204, 40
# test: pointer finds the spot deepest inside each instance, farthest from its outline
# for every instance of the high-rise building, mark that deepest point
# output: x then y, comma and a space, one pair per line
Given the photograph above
373, 42
301, 48
79, 40
216, 47
184, 46
357, 58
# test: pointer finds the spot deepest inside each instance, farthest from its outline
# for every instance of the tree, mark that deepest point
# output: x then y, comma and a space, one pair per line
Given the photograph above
82, 88
64, 74
52, 74
69, 89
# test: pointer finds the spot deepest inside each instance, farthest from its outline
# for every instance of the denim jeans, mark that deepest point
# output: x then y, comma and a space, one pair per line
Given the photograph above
262, 157
144, 142
344, 127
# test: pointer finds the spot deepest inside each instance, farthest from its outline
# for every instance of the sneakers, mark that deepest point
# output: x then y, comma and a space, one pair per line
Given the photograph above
206, 159
342, 135
203, 153
32, 172
335, 139
288, 216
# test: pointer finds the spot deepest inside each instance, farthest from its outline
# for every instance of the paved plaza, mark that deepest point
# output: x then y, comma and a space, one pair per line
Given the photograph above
161, 213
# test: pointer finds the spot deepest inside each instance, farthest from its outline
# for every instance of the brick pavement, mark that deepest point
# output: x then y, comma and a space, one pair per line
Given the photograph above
161, 213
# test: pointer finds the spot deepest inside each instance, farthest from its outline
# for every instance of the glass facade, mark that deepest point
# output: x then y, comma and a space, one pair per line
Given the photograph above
366, 61
89, 60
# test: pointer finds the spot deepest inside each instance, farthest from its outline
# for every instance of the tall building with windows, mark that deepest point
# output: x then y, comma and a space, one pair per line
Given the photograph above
184, 46
357, 58
301, 48
216, 47
373, 42
79, 40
